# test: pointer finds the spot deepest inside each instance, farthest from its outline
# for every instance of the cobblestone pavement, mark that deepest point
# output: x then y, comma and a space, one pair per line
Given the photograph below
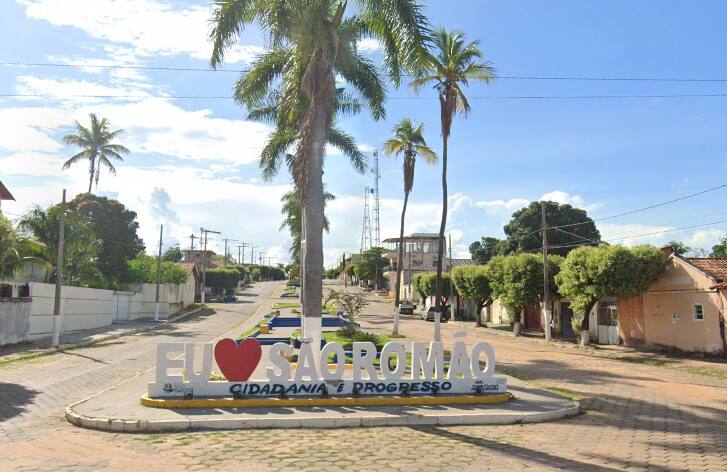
639, 418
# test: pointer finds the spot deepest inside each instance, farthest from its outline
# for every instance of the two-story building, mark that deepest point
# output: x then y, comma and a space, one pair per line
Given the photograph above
420, 255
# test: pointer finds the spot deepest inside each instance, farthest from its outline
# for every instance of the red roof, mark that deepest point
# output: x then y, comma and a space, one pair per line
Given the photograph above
5, 193
715, 267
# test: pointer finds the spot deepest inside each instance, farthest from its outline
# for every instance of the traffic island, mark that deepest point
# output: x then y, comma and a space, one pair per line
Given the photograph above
394, 393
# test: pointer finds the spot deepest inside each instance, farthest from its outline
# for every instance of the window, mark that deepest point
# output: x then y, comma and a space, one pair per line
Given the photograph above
608, 314
698, 313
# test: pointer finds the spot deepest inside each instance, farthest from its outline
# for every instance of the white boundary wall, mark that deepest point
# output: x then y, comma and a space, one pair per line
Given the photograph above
88, 308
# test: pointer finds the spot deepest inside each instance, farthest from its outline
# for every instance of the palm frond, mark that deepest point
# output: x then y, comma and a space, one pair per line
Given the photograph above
228, 20
347, 145
85, 154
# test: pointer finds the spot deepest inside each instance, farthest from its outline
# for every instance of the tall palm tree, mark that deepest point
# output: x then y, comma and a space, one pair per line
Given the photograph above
409, 141
97, 147
453, 64
312, 31
292, 220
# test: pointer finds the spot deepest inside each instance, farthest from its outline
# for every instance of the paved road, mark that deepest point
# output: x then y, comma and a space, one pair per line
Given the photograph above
34, 394
640, 418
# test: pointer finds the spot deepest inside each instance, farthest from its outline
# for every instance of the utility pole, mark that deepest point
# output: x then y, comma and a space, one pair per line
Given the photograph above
224, 258
252, 254
192, 237
159, 273
451, 281
59, 276
204, 260
546, 277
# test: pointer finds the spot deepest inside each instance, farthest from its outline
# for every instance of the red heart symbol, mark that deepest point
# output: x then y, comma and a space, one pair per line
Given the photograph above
238, 362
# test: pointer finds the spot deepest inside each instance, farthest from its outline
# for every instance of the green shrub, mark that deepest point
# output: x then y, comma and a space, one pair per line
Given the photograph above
144, 269
348, 331
222, 278
362, 337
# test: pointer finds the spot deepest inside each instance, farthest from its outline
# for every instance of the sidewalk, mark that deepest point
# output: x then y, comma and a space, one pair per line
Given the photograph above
86, 337
715, 367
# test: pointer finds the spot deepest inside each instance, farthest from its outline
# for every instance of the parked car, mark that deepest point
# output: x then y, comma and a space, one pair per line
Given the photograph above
429, 314
406, 307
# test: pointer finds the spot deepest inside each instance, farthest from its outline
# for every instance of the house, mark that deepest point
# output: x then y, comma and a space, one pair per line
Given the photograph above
194, 283
420, 255
5, 194
684, 309
203, 259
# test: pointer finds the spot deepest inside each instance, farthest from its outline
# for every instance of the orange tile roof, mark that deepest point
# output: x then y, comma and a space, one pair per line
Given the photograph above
715, 267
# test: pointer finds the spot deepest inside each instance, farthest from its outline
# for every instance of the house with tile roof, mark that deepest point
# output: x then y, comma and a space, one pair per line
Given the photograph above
684, 309
5, 194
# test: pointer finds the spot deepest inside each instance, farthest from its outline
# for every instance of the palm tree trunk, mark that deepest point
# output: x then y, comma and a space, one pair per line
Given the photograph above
440, 248
91, 171
400, 262
312, 244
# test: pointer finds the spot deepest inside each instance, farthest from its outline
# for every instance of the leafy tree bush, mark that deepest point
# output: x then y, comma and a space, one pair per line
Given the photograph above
349, 303
426, 285
222, 279
80, 247
333, 273
487, 248
517, 281
10, 256
115, 228
173, 254
590, 273
473, 283
371, 266
526, 223
143, 269
720, 249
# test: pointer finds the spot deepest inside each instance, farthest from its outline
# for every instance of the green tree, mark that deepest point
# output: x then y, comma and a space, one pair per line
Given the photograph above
426, 286
323, 44
473, 283
97, 147
679, 247
173, 254
80, 245
517, 281
409, 141
143, 269
454, 63
223, 279
372, 265
590, 273
720, 249
10, 248
115, 228
333, 273
487, 248
568, 227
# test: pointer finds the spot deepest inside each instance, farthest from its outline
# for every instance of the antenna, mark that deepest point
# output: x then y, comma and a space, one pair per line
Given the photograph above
366, 225
376, 241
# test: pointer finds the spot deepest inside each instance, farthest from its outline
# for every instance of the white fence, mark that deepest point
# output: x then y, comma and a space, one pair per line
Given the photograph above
88, 308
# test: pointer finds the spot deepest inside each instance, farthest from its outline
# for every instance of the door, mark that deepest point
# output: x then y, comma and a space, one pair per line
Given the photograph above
122, 307
566, 315
532, 318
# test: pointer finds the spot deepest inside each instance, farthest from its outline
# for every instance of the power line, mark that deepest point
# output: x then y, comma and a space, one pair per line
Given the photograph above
630, 212
238, 71
487, 98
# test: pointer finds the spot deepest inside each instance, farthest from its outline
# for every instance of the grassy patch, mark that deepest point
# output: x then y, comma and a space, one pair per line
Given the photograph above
280, 306
569, 394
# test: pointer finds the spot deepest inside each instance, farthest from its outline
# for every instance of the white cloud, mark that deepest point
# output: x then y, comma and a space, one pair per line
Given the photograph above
705, 238
563, 198
494, 207
369, 45
26, 129
150, 27
80, 91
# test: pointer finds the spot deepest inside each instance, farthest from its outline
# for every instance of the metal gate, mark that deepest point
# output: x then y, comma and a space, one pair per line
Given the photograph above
122, 307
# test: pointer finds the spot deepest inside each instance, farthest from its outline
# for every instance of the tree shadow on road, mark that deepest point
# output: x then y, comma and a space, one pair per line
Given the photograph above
13, 399
528, 456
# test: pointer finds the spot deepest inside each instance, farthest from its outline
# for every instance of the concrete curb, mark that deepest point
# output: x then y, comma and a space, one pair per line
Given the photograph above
372, 420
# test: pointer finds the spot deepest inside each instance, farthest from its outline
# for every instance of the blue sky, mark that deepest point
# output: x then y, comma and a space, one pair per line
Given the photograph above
193, 161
